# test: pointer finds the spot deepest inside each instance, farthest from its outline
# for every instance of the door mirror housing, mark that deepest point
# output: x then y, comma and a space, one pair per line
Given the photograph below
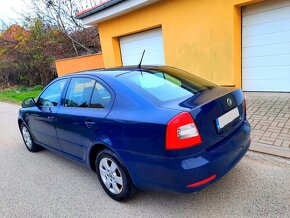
28, 102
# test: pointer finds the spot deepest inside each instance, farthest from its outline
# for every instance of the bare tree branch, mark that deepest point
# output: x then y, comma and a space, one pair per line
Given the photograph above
62, 13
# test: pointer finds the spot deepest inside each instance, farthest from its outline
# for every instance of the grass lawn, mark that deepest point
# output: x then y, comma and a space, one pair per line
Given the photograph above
18, 94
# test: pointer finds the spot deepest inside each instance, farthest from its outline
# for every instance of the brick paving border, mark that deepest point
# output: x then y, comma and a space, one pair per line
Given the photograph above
269, 116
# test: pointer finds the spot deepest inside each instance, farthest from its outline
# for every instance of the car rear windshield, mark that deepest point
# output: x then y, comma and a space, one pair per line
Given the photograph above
165, 84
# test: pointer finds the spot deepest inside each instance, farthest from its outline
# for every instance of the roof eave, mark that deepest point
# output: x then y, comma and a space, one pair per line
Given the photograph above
97, 9
112, 9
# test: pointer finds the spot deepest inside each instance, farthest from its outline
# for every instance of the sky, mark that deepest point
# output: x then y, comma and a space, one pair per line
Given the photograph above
9, 9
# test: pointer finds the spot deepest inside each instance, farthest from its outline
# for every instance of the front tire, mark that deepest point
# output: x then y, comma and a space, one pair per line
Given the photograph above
28, 140
113, 177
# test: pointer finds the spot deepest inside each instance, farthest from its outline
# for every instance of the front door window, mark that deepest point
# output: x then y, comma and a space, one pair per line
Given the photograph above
51, 96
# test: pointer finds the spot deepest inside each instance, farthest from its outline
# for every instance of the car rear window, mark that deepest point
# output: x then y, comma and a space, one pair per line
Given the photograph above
165, 84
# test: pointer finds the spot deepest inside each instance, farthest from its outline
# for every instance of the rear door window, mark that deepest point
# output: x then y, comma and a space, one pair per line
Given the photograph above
87, 93
101, 97
79, 92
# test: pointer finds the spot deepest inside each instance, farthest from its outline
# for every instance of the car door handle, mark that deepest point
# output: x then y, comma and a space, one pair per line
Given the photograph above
50, 118
89, 123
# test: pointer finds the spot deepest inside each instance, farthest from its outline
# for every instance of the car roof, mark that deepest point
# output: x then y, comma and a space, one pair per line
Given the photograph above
113, 72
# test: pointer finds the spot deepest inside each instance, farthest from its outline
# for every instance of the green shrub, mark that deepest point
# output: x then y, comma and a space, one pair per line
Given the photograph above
18, 94
38, 88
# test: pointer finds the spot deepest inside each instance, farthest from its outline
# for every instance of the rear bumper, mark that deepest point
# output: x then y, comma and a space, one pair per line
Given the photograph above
175, 174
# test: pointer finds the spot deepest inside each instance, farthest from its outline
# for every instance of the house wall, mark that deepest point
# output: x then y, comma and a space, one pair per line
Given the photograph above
200, 36
71, 65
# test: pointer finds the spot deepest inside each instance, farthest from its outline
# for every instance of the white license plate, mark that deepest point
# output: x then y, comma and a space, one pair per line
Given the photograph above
227, 118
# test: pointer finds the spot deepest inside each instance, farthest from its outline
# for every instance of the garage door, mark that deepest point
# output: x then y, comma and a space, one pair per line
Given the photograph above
266, 46
132, 47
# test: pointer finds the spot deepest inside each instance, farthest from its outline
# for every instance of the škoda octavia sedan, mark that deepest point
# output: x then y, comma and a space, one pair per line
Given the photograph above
140, 127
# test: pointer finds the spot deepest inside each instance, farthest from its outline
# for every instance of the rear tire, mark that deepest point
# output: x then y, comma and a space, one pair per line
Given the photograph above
113, 177
28, 140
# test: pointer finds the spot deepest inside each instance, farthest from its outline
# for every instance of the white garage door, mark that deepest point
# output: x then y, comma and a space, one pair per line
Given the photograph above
266, 46
132, 47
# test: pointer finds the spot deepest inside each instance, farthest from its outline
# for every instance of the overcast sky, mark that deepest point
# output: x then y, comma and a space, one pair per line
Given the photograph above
9, 9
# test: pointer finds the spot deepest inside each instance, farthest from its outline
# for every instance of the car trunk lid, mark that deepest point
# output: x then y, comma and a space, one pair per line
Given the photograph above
217, 112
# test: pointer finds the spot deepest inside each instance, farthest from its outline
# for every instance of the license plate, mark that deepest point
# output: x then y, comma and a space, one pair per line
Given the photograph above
227, 118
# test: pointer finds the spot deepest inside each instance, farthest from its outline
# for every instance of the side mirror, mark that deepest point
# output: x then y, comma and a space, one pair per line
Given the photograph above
28, 102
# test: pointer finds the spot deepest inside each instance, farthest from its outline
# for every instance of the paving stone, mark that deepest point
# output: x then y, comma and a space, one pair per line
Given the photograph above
285, 131
264, 128
274, 129
286, 144
265, 118
257, 116
274, 135
256, 138
281, 114
266, 142
272, 114
264, 123
269, 115
255, 121
268, 134
284, 136
257, 132
271, 118
278, 142
274, 123
280, 119
268, 139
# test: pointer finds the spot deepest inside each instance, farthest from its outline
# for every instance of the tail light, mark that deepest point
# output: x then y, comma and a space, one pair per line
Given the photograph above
182, 132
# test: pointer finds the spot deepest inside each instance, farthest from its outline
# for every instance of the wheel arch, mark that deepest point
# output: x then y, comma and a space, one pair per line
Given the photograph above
97, 148
20, 121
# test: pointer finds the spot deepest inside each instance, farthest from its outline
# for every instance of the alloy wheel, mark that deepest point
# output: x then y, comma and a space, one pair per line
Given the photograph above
111, 175
27, 137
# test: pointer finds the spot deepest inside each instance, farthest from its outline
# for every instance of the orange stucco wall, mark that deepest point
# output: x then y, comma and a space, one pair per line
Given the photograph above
200, 36
71, 65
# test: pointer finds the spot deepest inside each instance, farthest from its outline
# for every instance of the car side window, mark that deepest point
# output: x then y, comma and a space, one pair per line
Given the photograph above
79, 92
101, 97
51, 95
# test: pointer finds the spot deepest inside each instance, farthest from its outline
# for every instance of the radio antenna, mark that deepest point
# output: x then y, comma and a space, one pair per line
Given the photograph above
139, 66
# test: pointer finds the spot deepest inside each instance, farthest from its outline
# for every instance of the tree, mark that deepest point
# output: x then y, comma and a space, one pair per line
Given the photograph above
62, 13
27, 55
49, 32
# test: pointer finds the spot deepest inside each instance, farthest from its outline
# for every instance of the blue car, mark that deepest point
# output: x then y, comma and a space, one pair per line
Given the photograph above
157, 128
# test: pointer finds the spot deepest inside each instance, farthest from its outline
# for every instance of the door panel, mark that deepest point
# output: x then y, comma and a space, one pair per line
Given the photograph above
77, 128
42, 117
42, 126
78, 121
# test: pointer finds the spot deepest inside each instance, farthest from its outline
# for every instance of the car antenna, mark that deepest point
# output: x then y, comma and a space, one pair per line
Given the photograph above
139, 65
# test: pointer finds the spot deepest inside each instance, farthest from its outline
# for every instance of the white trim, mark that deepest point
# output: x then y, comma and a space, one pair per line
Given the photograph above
115, 10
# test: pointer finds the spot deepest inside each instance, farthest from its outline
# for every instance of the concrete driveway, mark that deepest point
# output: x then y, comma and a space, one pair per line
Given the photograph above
46, 185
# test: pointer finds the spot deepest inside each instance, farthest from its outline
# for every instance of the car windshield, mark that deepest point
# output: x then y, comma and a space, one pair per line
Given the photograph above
165, 84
